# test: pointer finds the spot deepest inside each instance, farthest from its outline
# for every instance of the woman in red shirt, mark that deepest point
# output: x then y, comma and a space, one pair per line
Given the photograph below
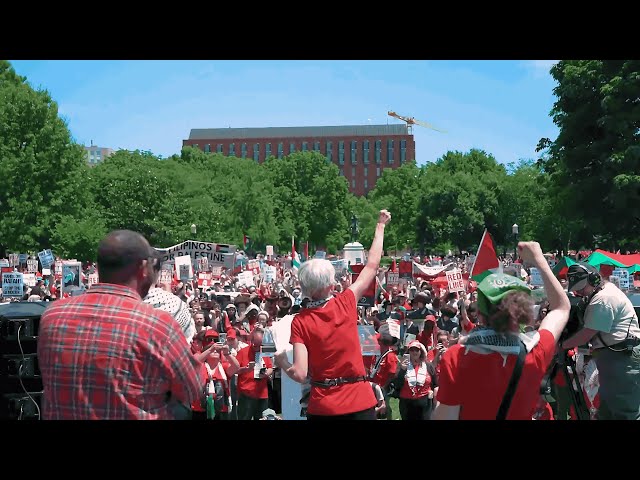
325, 340
475, 373
416, 393
216, 373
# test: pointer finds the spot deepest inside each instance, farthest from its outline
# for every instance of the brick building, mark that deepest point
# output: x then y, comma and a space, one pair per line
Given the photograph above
361, 152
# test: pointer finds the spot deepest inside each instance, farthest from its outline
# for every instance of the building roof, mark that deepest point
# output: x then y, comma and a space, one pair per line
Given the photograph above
291, 132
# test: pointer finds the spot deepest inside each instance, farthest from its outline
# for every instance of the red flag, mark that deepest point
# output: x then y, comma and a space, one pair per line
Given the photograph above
392, 268
486, 258
245, 241
306, 250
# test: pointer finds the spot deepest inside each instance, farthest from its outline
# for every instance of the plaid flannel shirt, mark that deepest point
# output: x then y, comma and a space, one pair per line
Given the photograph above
106, 355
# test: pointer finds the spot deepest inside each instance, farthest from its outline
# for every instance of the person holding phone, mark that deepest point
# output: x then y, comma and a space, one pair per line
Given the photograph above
253, 393
417, 377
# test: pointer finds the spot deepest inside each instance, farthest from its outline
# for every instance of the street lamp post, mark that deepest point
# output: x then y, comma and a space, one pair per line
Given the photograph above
193, 228
515, 231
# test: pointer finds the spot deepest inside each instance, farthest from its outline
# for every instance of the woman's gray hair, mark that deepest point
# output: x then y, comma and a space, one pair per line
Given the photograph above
315, 276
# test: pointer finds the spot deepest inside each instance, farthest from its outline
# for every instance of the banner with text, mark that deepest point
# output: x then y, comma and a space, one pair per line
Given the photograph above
455, 281
217, 254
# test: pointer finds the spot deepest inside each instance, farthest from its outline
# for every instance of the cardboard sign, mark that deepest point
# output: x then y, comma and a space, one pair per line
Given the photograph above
245, 278
12, 284
216, 272
394, 327
455, 280
269, 250
393, 279
93, 279
254, 267
269, 274
58, 268
22, 257
46, 272
369, 296
368, 342
204, 280
4, 262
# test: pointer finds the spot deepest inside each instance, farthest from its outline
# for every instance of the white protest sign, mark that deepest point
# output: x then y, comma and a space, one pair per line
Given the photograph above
216, 272
14, 259
46, 272
4, 263
165, 276
270, 250
12, 285
253, 266
203, 264
245, 278
58, 268
269, 274
93, 279
394, 328
428, 271
217, 254
393, 278
29, 279
184, 269
536, 278
32, 265
455, 280
204, 280
623, 276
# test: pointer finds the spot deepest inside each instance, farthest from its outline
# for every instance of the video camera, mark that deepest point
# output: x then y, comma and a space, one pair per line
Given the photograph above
576, 317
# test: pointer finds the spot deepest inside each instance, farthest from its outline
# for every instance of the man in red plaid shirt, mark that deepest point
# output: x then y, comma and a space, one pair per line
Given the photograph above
106, 355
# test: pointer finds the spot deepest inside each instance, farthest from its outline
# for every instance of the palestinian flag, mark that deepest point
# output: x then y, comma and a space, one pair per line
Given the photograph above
486, 261
295, 257
245, 241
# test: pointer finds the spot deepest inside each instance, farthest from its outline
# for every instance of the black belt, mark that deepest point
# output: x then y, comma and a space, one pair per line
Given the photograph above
333, 382
625, 346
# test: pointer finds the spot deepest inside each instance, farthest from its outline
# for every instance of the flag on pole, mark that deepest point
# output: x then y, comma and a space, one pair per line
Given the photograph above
392, 268
295, 258
245, 241
306, 250
486, 261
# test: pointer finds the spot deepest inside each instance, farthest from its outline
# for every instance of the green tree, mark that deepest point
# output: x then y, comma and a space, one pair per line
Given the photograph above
398, 190
309, 200
79, 237
595, 159
459, 198
43, 171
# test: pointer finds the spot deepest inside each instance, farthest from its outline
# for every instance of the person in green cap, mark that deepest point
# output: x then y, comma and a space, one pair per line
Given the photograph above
475, 374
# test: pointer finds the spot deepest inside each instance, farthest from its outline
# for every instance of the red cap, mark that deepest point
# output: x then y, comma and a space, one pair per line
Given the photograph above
231, 333
430, 318
211, 333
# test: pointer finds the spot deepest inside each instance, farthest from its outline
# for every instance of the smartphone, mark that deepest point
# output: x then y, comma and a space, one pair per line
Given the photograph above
406, 357
223, 338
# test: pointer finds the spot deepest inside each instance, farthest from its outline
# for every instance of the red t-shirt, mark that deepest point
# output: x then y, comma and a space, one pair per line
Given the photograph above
369, 362
387, 370
203, 375
247, 385
330, 333
419, 391
478, 382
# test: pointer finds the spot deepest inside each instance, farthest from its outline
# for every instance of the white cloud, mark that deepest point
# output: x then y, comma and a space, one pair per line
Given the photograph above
540, 68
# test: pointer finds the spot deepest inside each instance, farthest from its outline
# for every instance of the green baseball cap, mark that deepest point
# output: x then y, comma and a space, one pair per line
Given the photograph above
494, 287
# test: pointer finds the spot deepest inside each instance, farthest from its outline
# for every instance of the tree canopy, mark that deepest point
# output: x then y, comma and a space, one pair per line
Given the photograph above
584, 189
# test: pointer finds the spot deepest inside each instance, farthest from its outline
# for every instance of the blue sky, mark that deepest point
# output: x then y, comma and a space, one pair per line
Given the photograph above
500, 106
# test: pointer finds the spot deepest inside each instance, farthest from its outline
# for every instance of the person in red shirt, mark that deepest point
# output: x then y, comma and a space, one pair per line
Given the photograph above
215, 374
474, 374
418, 379
326, 342
253, 392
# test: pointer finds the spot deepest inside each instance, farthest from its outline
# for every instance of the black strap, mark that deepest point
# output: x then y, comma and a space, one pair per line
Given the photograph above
513, 383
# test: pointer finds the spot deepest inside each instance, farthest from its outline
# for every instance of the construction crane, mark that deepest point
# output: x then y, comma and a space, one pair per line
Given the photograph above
410, 121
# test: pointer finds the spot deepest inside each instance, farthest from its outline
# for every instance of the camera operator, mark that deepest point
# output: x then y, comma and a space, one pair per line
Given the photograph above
611, 325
